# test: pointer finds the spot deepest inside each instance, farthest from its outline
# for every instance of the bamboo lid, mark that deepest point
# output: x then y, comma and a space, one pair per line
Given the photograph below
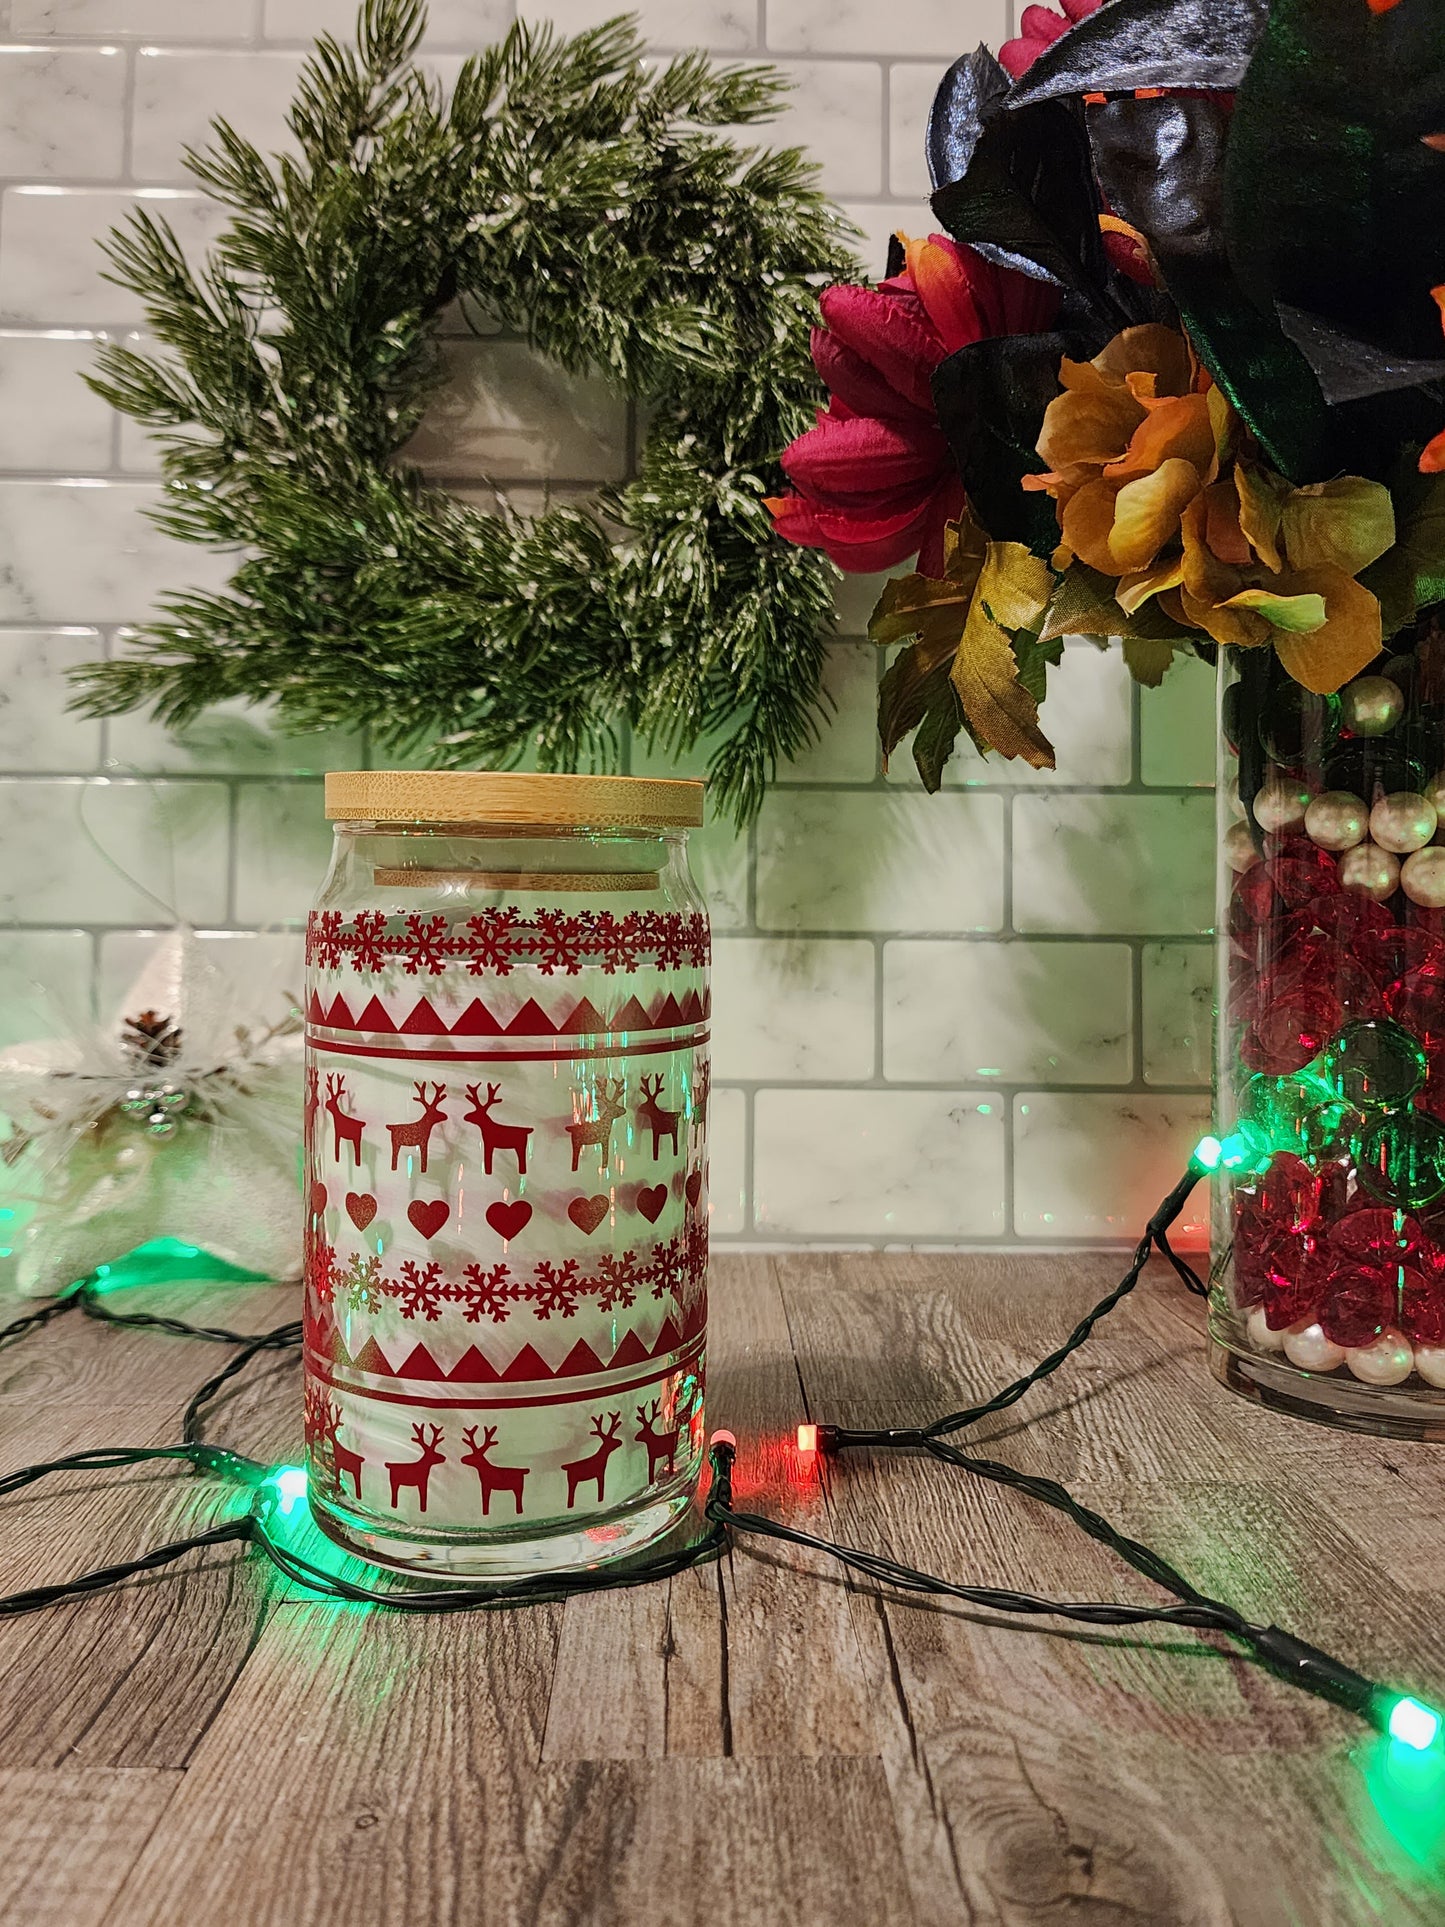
504, 796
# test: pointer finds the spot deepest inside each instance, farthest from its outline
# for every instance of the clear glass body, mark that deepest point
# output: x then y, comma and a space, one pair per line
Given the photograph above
1328, 1280
506, 1237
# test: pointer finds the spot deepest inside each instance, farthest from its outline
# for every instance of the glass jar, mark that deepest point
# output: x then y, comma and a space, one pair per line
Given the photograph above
1328, 1292
506, 1142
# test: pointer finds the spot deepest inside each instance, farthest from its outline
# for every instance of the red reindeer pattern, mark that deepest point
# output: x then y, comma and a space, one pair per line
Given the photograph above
349, 1128
701, 1091
417, 1134
324, 1425
495, 1135
417, 1472
494, 1478
598, 1130
661, 1446
652, 1116
312, 1104
593, 1469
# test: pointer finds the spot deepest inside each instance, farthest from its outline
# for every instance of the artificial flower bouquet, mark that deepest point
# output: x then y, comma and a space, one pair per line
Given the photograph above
1174, 374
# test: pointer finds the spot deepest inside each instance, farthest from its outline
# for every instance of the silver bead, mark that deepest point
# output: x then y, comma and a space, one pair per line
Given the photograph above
1388, 1361
1403, 822
1338, 820
1281, 805
1422, 878
1371, 705
1239, 851
1375, 871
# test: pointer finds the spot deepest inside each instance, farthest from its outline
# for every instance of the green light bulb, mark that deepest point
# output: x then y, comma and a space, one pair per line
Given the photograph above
1413, 1723
1207, 1153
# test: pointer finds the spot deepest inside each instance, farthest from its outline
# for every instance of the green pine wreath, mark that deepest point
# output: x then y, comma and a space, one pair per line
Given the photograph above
575, 193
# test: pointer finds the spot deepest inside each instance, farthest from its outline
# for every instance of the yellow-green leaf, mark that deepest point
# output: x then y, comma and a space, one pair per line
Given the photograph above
1146, 659
1297, 615
1013, 591
1345, 524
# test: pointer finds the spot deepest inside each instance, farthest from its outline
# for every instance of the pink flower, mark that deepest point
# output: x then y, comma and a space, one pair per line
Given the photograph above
875, 481
1039, 28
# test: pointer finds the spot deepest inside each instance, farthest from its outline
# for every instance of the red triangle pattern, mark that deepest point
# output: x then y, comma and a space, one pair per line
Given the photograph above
530, 1021
528, 1366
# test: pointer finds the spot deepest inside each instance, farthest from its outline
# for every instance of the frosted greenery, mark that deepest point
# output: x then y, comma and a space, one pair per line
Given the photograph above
588, 199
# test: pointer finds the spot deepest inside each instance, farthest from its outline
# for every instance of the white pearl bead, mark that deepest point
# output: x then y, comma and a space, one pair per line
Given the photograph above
1404, 821
1430, 1363
1422, 878
1337, 820
1434, 791
1389, 1361
1257, 1331
1375, 871
1371, 705
1239, 850
1281, 805
1307, 1347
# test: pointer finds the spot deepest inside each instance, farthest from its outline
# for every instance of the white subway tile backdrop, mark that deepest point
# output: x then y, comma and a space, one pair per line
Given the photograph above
981, 1017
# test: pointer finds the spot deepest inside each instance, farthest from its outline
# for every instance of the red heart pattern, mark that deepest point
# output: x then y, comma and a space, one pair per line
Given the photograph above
588, 1213
428, 1215
318, 1198
360, 1208
651, 1200
508, 1219
694, 1187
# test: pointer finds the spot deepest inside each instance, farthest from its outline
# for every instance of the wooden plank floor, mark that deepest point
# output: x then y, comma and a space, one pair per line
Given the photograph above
759, 1742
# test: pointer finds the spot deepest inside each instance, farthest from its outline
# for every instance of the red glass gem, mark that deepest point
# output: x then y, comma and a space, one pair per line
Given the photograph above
1389, 954
1375, 1235
1254, 896
1422, 1307
1417, 1001
1295, 1282
1291, 1029
1347, 917
1300, 879
1359, 1302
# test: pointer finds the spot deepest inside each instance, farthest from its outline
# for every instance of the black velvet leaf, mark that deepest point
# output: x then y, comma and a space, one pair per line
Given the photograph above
1349, 369
991, 398
1160, 165
1028, 201
1333, 203
969, 94
1148, 43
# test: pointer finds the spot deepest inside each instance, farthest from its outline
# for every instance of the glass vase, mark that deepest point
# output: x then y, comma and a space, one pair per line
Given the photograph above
506, 1143
1328, 1282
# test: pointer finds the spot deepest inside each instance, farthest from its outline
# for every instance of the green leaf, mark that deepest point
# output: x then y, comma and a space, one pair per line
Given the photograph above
937, 734
1147, 659
1082, 605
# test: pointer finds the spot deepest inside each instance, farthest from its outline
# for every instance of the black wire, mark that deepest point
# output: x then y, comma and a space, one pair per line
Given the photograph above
35, 1597
42, 1315
1293, 1659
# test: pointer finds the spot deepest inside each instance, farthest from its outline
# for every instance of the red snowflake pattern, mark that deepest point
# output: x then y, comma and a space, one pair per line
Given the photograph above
616, 941
697, 940
322, 1271
420, 1290
666, 934
323, 940
486, 1294
556, 1288
695, 1257
369, 945
425, 945
559, 942
492, 943
616, 1282
666, 1271
363, 1283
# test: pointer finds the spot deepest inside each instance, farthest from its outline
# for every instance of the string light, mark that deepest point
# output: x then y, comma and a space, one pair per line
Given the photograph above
277, 1518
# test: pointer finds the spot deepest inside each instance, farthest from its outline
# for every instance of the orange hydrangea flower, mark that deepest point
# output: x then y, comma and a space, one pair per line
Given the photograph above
1135, 436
